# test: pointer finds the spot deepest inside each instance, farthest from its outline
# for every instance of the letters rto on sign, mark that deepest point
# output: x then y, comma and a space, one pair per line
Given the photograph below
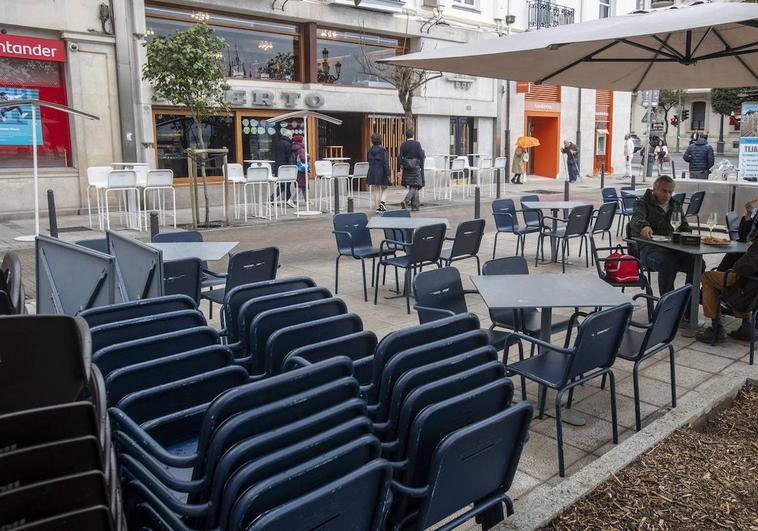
266, 98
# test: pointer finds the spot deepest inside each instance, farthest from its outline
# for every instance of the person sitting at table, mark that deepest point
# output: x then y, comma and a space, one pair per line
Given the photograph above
741, 294
652, 216
747, 232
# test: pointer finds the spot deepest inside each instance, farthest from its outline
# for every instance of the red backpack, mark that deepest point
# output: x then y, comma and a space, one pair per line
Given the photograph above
621, 270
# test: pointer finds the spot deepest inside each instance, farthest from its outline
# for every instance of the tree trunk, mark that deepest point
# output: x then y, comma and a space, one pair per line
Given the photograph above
666, 124
406, 101
203, 157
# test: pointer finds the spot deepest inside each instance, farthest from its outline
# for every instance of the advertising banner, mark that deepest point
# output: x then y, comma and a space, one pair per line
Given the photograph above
16, 121
749, 141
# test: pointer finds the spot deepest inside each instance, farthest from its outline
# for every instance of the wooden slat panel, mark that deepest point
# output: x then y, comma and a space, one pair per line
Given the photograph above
392, 129
544, 93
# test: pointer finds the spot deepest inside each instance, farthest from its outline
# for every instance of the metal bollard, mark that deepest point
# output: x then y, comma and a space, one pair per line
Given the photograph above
336, 195
51, 214
602, 175
673, 169
350, 204
155, 226
497, 184
477, 202
566, 190
683, 174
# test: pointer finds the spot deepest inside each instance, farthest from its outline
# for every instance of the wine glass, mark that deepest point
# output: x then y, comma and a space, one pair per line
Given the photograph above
676, 220
712, 220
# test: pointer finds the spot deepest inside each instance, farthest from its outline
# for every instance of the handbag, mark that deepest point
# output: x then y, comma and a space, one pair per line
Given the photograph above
621, 270
301, 167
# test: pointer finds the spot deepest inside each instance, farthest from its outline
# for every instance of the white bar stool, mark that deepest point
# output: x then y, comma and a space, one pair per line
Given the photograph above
124, 181
259, 177
97, 179
323, 173
288, 174
159, 181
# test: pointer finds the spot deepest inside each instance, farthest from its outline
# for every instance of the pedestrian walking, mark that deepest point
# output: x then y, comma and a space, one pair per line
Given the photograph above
298, 151
283, 156
661, 153
572, 159
379, 173
410, 161
628, 154
700, 157
518, 166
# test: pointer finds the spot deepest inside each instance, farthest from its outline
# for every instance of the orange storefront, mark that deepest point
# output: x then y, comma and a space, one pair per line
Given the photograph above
542, 120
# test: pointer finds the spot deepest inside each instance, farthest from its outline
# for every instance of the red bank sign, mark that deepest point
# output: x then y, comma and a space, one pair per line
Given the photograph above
20, 47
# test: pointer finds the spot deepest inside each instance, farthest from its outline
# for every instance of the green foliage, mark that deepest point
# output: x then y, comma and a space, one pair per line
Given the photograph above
669, 99
357, 2
187, 69
725, 100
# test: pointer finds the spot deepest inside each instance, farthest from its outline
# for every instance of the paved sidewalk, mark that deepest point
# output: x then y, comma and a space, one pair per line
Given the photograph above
307, 248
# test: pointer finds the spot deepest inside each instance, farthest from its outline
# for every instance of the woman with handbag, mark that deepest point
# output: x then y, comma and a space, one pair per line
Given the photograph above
298, 151
411, 162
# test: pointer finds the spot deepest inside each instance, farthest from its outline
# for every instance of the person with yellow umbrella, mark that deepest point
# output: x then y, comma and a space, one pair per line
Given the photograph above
521, 157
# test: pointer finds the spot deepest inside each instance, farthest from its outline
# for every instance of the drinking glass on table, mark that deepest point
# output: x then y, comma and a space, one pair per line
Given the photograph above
676, 221
712, 220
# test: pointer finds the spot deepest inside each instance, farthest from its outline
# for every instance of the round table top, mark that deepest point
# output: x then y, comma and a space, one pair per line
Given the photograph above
130, 164
337, 158
259, 161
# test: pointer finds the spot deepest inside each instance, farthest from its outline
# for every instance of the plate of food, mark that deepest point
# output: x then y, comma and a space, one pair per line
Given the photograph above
659, 238
712, 240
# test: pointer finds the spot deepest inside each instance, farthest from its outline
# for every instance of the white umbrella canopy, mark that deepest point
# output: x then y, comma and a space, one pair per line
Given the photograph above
704, 45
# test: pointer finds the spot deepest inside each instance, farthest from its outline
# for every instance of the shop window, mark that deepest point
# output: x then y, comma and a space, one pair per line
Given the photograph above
343, 57
26, 79
698, 116
256, 49
605, 8
259, 136
174, 133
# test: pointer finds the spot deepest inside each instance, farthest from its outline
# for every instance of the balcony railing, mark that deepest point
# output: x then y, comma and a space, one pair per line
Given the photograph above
543, 14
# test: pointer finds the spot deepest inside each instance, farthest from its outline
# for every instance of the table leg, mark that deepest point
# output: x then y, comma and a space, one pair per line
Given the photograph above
695, 296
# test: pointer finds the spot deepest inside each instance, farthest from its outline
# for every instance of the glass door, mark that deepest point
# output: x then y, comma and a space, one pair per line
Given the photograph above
461, 135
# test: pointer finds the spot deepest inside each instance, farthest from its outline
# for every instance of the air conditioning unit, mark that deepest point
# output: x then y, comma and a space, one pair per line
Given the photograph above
436, 3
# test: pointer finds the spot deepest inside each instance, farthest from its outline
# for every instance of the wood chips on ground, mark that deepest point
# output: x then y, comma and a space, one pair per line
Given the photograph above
692, 480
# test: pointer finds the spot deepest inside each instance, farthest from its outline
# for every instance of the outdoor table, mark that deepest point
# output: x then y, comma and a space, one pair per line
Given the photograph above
696, 251
205, 251
337, 159
547, 291
381, 222
639, 192
554, 207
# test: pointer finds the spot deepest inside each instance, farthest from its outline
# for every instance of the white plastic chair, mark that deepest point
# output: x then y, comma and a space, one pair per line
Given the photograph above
499, 167
485, 173
458, 171
97, 179
259, 177
288, 174
236, 178
159, 181
360, 171
340, 172
124, 181
323, 172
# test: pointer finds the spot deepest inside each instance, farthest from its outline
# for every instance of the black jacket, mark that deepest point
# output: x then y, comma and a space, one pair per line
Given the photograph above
699, 155
379, 173
743, 294
409, 150
647, 213
282, 153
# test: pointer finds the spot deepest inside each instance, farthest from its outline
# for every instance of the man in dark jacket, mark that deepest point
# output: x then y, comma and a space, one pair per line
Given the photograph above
699, 154
572, 159
283, 156
652, 216
411, 161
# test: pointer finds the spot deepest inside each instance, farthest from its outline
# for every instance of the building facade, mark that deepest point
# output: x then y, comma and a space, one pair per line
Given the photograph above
297, 54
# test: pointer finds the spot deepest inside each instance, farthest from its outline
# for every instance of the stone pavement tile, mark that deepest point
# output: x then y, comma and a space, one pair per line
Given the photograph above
652, 391
599, 405
728, 349
589, 437
624, 434
700, 360
540, 456
523, 483
685, 376
571, 470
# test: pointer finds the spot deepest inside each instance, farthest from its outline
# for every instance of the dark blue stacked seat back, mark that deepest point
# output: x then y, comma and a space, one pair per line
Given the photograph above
359, 347
142, 327
134, 309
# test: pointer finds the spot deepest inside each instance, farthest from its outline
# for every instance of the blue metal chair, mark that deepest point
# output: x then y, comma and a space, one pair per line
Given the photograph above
627, 209
466, 243
643, 341
424, 250
134, 309
604, 218
354, 240
439, 293
693, 207
732, 223
209, 278
475, 465
245, 267
577, 226
680, 198
506, 220
532, 217
287, 339
359, 347
560, 368
120, 355
726, 308
267, 323
183, 277
97, 244
143, 327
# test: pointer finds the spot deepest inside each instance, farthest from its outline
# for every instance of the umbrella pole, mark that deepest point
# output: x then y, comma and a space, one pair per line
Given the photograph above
307, 211
35, 178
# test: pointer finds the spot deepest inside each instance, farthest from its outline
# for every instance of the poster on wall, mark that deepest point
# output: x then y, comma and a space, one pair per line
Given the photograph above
16, 120
749, 141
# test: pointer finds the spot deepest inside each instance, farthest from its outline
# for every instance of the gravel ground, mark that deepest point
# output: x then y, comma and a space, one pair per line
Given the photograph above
695, 479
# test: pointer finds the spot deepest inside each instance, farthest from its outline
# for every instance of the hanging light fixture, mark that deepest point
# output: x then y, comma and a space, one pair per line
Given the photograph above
201, 16
265, 45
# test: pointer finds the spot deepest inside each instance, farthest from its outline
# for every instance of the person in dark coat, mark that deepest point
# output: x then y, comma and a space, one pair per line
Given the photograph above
298, 150
379, 173
572, 159
411, 161
699, 154
282, 157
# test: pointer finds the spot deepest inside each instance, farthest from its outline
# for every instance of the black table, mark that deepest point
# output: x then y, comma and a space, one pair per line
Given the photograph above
699, 251
554, 207
205, 251
381, 222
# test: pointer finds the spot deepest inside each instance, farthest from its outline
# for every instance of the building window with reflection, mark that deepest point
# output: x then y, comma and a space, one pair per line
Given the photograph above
256, 48
344, 57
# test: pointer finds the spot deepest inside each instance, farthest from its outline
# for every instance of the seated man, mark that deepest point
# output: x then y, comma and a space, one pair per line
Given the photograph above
747, 232
741, 294
652, 216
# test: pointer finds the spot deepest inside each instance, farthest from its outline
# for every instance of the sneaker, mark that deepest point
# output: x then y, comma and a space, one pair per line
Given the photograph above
741, 334
707, 335
403, 205
381, 208
291, 203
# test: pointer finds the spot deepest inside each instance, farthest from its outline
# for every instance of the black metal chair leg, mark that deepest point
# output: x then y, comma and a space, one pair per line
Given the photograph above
494, 247
376, 284
337, 274
614, 415
365, 289
478, 266
373, 267
543, 399
636, 384
559, 432
752, 338
407, 290
672, 361
397, 281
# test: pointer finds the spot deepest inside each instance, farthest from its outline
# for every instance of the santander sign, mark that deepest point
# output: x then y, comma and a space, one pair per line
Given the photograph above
19, 47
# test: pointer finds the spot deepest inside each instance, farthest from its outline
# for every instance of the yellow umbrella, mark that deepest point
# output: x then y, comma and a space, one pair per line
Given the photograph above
526, 142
